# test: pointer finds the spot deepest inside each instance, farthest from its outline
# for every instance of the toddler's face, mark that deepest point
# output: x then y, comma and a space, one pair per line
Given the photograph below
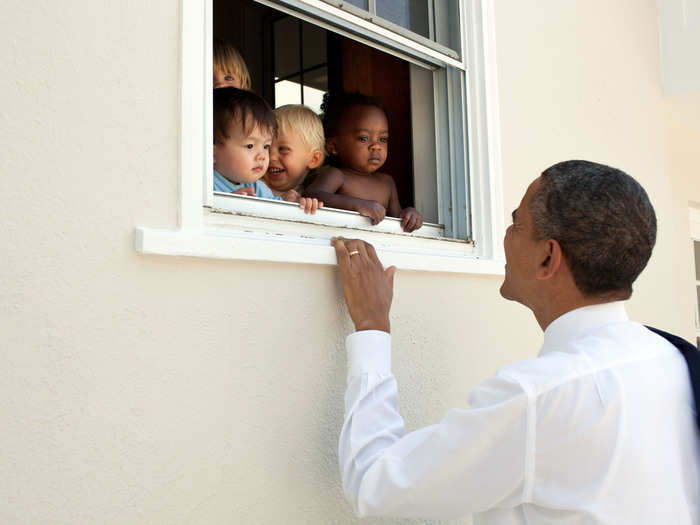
225, 79
290, 161
243, 158
362, 140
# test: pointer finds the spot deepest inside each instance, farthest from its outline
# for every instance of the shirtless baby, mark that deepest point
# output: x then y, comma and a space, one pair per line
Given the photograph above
357, 136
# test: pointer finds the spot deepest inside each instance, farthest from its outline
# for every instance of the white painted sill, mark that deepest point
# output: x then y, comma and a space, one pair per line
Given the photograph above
241, 233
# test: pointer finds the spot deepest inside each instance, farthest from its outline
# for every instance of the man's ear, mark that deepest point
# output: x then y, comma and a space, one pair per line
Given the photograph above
316, 159
551, 260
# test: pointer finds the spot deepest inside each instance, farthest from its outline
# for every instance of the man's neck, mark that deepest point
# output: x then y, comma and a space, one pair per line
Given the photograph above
547, 313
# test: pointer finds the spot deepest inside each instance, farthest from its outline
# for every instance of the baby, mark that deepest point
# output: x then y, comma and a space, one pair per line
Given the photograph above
357, 136
244, 126
229, 67
297, 149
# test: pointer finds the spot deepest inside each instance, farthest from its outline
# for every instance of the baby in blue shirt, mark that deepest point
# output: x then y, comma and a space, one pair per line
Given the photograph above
244, 126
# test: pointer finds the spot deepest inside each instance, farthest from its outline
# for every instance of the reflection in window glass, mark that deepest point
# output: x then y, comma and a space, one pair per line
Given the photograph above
301, 73
411, 14
446, 14
315, 85
314, 42
362, 4
288, 92
286, 34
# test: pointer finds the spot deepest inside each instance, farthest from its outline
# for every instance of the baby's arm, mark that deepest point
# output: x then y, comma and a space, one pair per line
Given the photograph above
410, 218
328, 182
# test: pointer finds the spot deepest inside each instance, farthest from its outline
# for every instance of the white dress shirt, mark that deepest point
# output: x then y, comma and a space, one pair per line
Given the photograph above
598, 429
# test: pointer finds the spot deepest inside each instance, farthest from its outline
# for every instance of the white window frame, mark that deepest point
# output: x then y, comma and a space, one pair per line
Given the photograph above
206, 229
694, 223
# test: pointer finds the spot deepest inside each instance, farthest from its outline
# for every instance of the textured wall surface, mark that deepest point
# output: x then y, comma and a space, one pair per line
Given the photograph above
151, 389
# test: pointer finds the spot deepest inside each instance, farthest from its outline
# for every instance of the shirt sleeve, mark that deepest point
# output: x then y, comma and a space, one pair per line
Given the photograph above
261, 190
472, 461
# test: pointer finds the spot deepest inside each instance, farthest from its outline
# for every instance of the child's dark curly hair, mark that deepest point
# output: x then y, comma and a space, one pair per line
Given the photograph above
335, 105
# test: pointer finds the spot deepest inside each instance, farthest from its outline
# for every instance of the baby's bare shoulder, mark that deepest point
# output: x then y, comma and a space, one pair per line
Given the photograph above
330, 173
385, 178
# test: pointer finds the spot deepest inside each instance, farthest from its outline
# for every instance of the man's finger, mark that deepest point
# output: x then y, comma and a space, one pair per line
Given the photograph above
341, 251
361, 246
390, 272
372, 254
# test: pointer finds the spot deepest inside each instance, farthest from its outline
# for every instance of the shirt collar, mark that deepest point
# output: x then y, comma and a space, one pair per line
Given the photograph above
581, 321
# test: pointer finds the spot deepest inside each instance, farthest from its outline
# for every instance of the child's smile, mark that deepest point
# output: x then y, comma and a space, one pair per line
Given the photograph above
289, 162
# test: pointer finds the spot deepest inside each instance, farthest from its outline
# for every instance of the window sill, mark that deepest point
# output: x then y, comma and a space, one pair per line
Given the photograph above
240, 237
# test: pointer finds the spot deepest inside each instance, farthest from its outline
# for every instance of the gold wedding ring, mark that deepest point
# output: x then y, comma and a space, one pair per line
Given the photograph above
354, 252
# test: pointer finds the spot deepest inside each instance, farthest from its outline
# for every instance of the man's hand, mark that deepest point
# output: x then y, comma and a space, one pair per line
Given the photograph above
368, 288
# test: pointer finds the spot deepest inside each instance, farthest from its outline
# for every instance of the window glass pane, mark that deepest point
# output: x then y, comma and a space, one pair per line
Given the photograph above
411, 14
696, 244
286, 33
446, 14
314, 39
313, 98
288, 92
362, 4
315, 85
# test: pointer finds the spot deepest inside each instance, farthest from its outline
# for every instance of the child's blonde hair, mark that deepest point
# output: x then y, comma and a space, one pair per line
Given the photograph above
228, 60
296, 118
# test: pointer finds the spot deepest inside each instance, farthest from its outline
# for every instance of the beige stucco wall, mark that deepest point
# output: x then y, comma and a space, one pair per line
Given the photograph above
152, 389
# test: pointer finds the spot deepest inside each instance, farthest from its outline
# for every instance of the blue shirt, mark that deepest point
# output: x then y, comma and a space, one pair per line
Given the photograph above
226, 186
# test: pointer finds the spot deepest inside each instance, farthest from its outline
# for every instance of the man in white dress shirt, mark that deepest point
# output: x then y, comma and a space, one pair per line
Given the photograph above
598, 429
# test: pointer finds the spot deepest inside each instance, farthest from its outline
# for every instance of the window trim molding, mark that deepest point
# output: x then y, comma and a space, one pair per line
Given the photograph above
199, 236
694, 230
694, 222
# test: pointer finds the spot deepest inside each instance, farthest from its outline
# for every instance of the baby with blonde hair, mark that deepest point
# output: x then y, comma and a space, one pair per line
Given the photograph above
229, 67
298, 148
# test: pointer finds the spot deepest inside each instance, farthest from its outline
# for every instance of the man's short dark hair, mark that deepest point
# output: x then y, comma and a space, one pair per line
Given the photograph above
603, 221
243, 107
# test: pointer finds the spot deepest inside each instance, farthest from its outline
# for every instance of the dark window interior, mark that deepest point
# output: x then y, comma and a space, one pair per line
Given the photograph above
294, 61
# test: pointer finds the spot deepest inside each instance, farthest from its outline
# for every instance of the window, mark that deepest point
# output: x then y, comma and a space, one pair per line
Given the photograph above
292, 48
300, 63
695, 235
434, 23
696, 245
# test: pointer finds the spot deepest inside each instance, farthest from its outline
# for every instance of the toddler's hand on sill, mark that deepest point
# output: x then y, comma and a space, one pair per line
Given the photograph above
410, 219
372, 209
250, 192
310, 204
291, 196
307, 204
